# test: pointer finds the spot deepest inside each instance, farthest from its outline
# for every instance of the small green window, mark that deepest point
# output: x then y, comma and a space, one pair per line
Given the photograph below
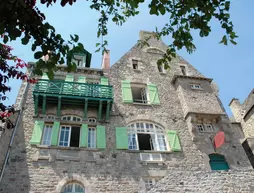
218, 162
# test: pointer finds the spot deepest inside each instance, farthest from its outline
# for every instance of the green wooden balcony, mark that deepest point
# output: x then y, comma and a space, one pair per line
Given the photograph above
74, 89
72, 93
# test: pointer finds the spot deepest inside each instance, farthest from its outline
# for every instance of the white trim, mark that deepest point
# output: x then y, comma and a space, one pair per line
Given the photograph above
46, 127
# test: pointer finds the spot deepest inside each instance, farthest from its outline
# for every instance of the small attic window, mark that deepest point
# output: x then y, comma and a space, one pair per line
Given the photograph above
135, 64
183, 70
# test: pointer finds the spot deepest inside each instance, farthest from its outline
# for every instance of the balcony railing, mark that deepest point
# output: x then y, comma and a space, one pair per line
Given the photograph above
58, 87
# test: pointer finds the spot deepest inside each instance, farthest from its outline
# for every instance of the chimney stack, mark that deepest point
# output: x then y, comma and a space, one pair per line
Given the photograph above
106, 60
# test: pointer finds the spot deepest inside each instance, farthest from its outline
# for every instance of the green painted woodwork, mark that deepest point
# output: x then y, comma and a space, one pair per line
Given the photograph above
37, 132
83, 136
85, 109
82, 79
100, 137
74, 89
174, 141
59, 107
55, 133
43, 85
36, 103
44, 105
218, 162
100, 111
153, 94
108, 110
121, 138
68, 86
104, 80
126, 91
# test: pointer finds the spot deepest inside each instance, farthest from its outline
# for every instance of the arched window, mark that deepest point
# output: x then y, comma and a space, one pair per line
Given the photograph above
73, 188
146, 136
218, 162
71, 118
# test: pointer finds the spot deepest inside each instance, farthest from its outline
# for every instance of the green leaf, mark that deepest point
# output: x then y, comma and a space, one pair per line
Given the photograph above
76, 38
25, 40
97, 44
50, 74
38, 55
33, 47
162, 9
153, 10
233, 42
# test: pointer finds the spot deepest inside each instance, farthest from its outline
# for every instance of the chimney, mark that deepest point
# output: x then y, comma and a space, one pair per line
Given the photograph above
236, 109
106, 60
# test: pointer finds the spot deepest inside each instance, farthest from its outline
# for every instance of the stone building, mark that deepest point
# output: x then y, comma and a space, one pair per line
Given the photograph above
243, 118
133, 127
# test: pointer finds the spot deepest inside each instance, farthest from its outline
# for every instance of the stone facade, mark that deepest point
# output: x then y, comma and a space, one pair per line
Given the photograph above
47, 169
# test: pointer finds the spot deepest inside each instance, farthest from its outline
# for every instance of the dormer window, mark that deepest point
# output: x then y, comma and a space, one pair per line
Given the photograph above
135, 64
79, 59
183, 70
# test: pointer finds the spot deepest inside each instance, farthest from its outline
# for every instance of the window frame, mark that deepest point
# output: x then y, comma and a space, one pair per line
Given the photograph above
143, 89
205, 128
69, 137
73, 187
43, 134
152, 180
71, 118
136, 63
95, 139
154, 131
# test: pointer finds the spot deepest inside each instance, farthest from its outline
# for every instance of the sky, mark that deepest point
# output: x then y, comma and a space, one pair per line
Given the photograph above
231, 67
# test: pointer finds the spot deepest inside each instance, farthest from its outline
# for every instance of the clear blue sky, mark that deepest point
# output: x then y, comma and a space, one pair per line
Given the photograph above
231, 67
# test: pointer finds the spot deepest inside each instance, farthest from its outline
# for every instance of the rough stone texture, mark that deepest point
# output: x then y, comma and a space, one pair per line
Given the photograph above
244, 114
200, 182
40, 169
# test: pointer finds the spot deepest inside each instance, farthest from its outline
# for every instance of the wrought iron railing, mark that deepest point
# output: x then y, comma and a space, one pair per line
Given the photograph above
59, 87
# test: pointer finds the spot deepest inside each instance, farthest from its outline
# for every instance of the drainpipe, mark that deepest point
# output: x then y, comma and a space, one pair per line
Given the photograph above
14, 130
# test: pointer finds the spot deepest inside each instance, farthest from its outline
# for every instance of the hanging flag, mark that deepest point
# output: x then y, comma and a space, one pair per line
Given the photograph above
219, 139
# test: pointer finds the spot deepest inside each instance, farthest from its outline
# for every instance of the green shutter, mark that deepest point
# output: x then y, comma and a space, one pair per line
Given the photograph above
82, 79
83, 136
45, 76
37, 132
81, 88
101, 137
218, 162
67, 86
104, 81
121, 138
174, 141
126, 91
104, 91
153, 94
55, 133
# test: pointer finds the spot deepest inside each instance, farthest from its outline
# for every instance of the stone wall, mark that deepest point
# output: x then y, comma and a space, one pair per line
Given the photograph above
200, 182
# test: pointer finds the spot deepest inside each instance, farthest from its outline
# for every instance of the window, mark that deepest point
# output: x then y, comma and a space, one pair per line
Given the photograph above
146, 136
71, 118
46, 139
183, 70
51, 117
248, 152
73, 188
139, 93
92, 120
196, 86
135, 64
218, 162
200, 127
79, 59
69, 136
160, 68
150, 182
91, 137
205, 128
